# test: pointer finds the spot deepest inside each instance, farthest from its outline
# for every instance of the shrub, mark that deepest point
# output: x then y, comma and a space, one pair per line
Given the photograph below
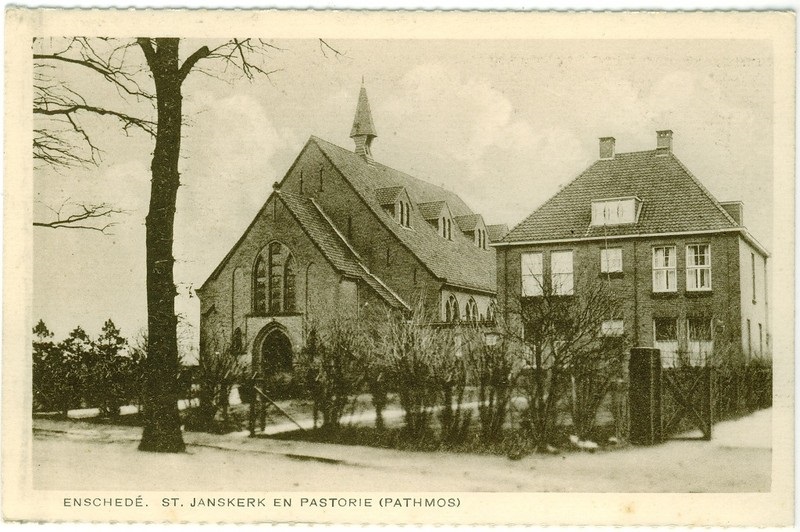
494, 370
217, 373
331, 365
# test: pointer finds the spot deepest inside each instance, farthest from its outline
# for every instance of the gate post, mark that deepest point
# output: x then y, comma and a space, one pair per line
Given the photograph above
644, 372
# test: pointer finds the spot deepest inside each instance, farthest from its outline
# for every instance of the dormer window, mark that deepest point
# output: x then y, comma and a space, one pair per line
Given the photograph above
403, 213
480, 238
446, 228
616, 211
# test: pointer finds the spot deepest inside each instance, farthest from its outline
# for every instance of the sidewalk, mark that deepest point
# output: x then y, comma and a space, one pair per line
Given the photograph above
738, 459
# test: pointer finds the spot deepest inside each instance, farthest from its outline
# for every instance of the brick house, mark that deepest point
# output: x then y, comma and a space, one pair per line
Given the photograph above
691, 278
343, 234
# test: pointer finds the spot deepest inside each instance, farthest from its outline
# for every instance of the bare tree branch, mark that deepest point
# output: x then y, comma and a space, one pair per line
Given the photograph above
85, 213
323, 45
198, 54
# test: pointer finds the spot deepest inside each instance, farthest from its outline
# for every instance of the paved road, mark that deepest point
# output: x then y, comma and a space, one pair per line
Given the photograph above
78, 455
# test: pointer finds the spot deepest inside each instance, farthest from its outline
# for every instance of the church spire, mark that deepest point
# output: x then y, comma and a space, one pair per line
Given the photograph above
363, 130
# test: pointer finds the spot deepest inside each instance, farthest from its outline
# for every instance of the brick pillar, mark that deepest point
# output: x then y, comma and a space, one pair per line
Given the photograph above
644, 373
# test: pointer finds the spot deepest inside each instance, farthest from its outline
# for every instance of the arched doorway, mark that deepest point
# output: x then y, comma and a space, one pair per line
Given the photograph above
276, 353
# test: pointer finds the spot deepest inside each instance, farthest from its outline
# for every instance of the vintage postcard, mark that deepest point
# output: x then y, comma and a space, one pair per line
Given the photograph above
399, 267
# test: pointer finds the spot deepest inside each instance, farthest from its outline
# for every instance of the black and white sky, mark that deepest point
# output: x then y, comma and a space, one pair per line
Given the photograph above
503, 123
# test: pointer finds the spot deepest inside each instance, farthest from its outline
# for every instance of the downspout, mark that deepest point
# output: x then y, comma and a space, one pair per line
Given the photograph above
635, 295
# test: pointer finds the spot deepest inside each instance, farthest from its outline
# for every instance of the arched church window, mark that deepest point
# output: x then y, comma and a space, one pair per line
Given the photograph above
472, 311
274, 281
289, 285
451, 310
260, 286
275, 278
490, 311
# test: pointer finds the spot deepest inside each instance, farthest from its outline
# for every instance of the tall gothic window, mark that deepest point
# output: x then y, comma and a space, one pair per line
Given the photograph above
275, 278
274, 281
260, 286
288, 285
451, 313
472, 311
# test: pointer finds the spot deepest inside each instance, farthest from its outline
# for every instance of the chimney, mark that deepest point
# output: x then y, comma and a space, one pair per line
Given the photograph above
735, 209
607, 147
363, 131
664, 142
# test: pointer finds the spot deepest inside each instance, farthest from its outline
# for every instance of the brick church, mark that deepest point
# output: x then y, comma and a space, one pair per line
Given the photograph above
343, 234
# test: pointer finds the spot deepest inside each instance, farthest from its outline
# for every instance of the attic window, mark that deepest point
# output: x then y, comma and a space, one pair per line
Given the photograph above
616, 211
403, 210
445, 228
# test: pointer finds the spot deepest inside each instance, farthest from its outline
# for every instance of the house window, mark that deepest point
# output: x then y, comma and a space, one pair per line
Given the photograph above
561, 273
701, 341
616, 211
260, 286
612, 328
611, 260
451, 314
753, 273
698, 267
472, 311
664, 269
665, 339
532, 274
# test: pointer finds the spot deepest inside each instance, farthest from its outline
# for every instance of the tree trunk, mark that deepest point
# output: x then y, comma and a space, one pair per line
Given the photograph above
162, 426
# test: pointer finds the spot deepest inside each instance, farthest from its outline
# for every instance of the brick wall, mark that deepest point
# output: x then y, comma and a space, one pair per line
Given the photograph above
312, 175
634, 286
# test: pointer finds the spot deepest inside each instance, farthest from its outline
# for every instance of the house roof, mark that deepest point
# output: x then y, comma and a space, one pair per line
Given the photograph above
458, 261
497, 232
468, 222
333, 245
673, 200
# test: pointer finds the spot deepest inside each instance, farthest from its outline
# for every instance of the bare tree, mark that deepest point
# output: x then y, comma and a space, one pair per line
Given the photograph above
65, 141
568, 358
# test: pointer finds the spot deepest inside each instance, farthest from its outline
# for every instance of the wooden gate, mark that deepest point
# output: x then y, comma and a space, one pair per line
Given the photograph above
667, 402
686, 401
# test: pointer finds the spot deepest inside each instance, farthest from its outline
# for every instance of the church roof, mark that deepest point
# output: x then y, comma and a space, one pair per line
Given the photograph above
431, 210
333, 245
388, 195
459, 261
497, 232
672, 200
468, 222
362, 123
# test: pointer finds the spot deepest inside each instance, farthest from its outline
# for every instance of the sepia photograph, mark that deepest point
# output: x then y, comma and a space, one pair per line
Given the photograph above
380, 266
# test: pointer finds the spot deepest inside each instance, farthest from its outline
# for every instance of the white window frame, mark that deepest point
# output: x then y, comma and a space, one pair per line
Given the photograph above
669, 271
610, 266
669, 348
612, 328
699, 349
609, 211
562, 282
694, 272
532, 273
